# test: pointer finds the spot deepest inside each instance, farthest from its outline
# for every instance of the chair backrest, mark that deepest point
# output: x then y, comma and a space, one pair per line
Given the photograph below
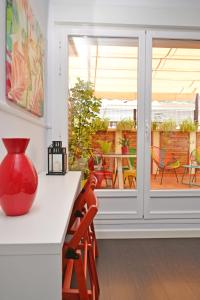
95, 162
132, 150
83, 228
162, 157
91, 201
101, 163
83, 199
155, 153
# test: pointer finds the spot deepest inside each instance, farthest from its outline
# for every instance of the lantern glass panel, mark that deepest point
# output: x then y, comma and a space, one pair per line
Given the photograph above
57, 163
50, 162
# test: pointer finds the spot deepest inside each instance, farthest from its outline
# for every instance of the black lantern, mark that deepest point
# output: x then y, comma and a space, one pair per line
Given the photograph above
57, 159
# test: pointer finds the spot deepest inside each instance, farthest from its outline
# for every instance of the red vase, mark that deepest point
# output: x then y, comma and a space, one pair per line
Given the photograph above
18, 178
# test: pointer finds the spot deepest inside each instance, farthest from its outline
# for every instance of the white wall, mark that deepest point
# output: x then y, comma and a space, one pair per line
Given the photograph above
181, 13
14, 121
136, 13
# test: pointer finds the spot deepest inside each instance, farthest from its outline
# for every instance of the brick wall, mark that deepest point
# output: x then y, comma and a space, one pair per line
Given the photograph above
108, 136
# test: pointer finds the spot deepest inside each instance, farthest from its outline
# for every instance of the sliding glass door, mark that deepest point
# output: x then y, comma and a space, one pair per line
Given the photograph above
105, 115
173, 180
133, 119
103, 127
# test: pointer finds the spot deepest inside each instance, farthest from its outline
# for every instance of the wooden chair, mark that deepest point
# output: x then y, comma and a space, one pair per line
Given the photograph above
78, 261
85, 199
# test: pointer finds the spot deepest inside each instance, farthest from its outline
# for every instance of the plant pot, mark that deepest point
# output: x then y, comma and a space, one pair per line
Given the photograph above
18, 178
125, 150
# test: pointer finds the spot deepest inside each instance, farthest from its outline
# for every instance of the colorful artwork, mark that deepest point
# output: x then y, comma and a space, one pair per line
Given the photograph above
24, 57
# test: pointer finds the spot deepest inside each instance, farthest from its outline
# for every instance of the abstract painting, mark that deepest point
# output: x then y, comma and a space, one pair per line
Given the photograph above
24, 57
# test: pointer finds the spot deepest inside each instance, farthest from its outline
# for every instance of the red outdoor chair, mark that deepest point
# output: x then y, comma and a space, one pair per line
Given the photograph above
103, 170
164, 161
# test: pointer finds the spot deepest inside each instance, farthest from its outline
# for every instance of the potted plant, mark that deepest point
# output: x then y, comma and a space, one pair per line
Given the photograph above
126, 124
168, 125
124, 141
105, 146
155, 125
188, 125
84, 110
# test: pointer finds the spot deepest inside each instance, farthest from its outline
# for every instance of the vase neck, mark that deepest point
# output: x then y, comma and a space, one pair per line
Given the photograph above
16, 145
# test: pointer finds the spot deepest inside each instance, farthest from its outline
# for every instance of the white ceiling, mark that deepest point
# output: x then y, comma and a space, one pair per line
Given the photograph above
146, 3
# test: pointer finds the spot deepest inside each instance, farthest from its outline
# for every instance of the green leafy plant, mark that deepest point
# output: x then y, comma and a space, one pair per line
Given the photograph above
84, 108
126, 124
105, 146
124, 141
101, 124
188, 125
168, 125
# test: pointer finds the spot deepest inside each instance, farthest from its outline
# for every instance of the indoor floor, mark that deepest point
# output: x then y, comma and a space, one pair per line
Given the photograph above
149, 269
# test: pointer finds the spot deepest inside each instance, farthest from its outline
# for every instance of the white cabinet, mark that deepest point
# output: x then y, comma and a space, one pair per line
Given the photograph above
31, 245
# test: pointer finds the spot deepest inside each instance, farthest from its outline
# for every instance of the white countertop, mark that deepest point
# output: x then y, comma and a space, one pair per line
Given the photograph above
43, 229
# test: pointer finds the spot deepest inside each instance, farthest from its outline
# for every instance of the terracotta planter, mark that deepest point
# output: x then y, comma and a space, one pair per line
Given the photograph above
18, 178
125, 150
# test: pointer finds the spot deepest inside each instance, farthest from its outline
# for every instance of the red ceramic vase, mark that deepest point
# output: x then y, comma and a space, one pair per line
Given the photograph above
18, 178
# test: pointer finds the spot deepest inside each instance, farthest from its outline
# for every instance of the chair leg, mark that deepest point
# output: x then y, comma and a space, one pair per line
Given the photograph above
156, 173
195, 175
94, 240
134, 182
93, 273
162, 175
176, 175
82, 286
115, 178
130, 179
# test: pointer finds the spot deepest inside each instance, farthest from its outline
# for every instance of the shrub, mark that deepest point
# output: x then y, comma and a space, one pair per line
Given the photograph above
101, 124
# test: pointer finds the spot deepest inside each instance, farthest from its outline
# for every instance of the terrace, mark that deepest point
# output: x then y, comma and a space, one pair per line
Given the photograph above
111, 65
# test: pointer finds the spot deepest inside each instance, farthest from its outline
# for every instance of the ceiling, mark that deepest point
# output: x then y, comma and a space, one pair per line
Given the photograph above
112, 65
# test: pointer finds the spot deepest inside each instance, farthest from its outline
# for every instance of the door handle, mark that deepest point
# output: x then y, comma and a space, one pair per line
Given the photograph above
147, 130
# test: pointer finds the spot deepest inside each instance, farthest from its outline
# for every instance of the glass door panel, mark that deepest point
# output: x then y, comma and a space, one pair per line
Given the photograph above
175, 136
103, 74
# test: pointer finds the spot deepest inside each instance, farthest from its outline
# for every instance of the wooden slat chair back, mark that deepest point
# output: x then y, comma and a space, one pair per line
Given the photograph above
81, 200
85, 199
78, 259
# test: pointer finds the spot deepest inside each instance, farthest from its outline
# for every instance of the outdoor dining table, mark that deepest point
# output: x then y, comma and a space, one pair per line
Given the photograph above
118, 164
